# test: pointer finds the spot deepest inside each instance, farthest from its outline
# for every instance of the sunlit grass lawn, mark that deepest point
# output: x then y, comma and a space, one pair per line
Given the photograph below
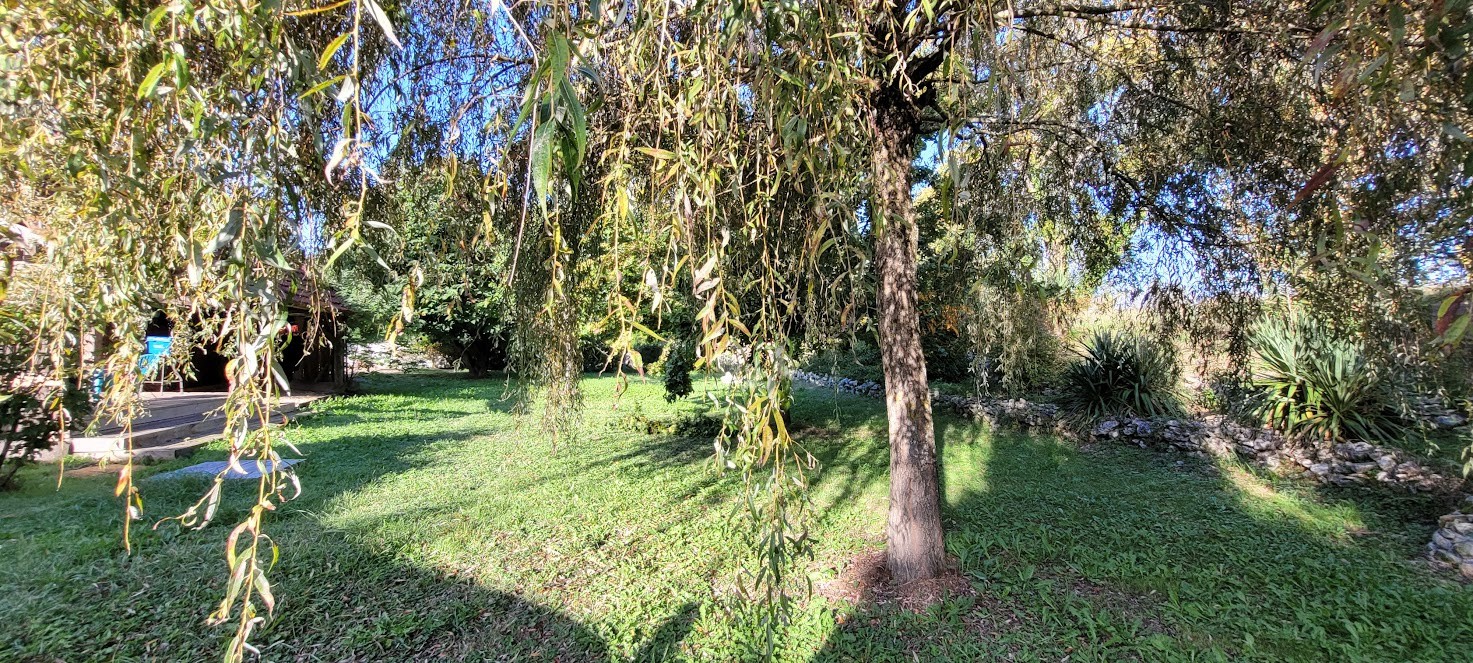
434, 526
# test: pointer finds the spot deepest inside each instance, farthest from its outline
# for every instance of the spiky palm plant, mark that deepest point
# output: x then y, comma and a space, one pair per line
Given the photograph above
1315, 386
1119, 373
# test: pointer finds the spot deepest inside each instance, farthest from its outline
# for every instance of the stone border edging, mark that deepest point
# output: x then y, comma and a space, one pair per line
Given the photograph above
1349, 463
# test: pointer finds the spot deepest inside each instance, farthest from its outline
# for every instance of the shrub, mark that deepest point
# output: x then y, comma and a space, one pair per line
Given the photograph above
1024, 367
1020, 356
1120, 374
26, 430
32, 408
1316, 386
695, 425
1231, 393
680, 359
948, 358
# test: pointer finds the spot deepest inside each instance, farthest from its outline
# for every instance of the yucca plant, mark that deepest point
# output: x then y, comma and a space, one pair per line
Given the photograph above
1121, 374
1315, 386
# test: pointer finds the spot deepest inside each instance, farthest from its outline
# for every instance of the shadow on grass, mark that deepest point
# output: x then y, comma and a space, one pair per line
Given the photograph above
345, 594
823, 427
1121, 554
376, 607
1108, 554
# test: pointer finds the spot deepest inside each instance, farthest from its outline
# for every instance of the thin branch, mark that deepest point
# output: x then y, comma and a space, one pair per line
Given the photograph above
1069, 11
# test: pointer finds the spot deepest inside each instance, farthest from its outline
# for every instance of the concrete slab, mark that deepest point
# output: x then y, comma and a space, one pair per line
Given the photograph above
212, 469
176, 424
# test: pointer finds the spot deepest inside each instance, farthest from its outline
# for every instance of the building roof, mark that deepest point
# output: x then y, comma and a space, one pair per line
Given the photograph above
305, 293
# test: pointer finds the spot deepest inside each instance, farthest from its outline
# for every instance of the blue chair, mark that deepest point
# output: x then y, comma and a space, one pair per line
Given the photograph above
153, 362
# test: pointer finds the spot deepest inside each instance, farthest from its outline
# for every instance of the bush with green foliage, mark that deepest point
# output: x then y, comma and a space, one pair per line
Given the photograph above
1121, 374
32, 409
680, 360
1314, 385
431, 237
26, 430
694, 425
948, 357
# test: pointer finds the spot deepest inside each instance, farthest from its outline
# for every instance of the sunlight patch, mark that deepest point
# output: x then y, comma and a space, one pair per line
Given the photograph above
247, 470
1263, 499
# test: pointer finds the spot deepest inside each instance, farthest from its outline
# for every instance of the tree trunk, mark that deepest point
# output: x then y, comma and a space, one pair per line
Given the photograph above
916, 549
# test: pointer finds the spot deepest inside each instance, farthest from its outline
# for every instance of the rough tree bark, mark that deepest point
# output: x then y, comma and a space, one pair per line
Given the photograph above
915, 549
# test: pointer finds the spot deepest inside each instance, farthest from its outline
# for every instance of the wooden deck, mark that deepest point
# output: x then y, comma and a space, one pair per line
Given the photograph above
176, 424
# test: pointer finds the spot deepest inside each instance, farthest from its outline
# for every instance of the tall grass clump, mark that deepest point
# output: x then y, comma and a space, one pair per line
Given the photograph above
1313, 385
1121, 374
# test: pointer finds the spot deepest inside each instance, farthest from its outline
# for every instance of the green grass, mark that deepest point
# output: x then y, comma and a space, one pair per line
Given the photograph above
435, 527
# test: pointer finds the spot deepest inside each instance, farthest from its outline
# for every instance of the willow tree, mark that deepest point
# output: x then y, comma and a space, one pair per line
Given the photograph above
842, 95
767, 144
169, 157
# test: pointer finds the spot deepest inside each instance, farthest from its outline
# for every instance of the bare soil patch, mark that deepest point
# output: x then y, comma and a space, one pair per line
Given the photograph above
863, 579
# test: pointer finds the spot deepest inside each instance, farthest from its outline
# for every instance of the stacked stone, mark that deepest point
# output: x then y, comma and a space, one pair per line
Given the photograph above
1452, 543
1214, 435
1340, 464
844, 385
381, 355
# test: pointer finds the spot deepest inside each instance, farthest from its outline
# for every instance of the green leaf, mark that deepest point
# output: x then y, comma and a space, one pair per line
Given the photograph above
152, 20
338, 253
181, 66
234, 221
322, 86
577, 115
542, 145
1447, 304
373, 253
647, 330
559, 54
529, 99
151, 81
1457, 329
378, 15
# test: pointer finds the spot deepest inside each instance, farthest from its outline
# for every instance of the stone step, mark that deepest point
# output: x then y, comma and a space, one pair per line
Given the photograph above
172, 439
182, 444
168, 413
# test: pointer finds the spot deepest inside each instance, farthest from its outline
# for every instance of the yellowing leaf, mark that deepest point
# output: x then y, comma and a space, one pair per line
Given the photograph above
331, 50
662, 155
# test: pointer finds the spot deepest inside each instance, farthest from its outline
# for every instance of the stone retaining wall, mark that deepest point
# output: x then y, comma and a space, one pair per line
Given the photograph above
1452, 543
1214, 435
